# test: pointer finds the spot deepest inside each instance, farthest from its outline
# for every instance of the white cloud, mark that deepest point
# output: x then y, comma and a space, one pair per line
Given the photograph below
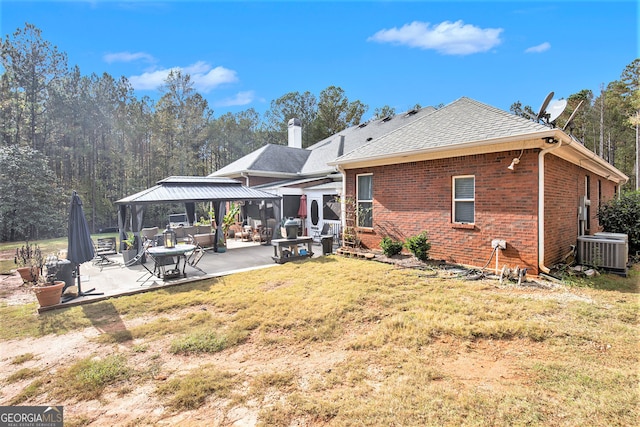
448, 38
539, 48
206, 81
241, 98
204, 77
127, 57
149, 81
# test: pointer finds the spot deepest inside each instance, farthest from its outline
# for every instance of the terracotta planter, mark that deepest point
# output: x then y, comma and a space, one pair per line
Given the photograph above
29, 274
49, 295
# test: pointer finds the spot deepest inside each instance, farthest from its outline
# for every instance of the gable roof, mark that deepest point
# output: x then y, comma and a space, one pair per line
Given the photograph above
195, 189
467, 127
461, 122
272, 160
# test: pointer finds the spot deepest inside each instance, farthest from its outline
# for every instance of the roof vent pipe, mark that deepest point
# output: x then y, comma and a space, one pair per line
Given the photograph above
295, 133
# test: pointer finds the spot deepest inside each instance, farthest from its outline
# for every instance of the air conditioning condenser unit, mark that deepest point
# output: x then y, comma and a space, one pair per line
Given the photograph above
607, 252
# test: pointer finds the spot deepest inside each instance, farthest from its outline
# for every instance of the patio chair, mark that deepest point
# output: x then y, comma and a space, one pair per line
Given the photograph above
326, 228
142, 253
103, 248
149, 233
194, 257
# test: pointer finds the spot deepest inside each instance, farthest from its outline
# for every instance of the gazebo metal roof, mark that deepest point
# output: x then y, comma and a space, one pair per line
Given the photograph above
195, 189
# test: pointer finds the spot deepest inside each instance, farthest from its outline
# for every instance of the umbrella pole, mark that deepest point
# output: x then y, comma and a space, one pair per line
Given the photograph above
90, 291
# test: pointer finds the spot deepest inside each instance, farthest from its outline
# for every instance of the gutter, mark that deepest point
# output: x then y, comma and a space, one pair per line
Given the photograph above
541, 155
446, 150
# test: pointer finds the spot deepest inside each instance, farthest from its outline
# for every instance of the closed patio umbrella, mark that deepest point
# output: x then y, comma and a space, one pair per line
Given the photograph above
79, 245
302, 211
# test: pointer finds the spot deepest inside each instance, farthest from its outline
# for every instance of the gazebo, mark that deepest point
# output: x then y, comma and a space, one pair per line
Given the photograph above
190, 190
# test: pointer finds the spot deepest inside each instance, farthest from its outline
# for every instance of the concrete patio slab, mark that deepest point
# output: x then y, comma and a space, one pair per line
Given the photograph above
117, 280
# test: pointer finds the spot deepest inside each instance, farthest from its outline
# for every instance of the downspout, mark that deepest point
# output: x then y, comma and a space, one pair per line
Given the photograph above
541, 155
246, 178
343, 202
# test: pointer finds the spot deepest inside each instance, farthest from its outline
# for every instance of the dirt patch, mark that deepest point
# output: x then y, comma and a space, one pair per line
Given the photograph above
13, 291
486, 365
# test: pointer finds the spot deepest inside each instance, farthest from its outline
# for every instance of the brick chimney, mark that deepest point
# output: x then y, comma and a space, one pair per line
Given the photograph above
295, 133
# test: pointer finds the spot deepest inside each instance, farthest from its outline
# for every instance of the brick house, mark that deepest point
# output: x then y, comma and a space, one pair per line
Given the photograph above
468, 174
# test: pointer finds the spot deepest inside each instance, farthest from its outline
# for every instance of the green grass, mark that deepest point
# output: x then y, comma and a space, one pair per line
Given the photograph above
35, 388
398, 345
19, 360
87, 378
22, 374
192, 390
206, 341
47, 246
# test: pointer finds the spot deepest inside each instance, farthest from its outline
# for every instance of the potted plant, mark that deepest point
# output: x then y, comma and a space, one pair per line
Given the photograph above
228, 220
29, 260
48, 292
130, 248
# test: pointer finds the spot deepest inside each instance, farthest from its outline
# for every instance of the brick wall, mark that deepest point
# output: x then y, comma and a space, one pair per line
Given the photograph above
565, 183
414, 197
259, 180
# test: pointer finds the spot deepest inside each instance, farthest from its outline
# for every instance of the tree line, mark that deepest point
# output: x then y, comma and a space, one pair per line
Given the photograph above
64, 131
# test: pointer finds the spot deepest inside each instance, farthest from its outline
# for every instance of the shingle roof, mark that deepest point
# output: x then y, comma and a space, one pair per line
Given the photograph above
328, 149
270, 158
196, 189
463, 121
313, 161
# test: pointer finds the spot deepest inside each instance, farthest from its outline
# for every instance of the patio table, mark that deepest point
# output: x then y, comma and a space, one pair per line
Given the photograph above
161, 254
285, 250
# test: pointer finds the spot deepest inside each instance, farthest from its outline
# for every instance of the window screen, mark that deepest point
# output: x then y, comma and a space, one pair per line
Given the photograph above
365, 200
464, 199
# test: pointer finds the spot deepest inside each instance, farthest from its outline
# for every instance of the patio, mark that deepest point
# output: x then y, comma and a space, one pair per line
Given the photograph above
117, 280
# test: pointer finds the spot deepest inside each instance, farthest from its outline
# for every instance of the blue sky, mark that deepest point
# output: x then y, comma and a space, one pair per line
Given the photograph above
244, 54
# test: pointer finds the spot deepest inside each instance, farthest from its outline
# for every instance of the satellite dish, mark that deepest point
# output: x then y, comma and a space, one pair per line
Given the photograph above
543, 107
572, 116
555, 109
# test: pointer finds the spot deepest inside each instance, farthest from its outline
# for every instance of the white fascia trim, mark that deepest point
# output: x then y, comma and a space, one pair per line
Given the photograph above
574, 152
268, 174
514, 142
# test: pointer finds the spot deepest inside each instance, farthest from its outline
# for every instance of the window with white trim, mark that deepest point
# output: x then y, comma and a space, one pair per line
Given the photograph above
364, 201
464, 201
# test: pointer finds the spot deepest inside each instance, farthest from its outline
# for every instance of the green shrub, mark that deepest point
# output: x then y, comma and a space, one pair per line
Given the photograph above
390, 247
622, 215
419, 246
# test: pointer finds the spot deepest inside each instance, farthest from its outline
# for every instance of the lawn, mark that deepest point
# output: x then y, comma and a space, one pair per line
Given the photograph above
335, 341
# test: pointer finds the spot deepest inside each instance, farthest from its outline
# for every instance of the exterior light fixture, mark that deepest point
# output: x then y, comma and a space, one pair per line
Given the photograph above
515, 160
550, 140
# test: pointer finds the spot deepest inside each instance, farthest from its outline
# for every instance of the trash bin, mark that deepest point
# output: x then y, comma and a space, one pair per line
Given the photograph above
327, 244
63, 270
